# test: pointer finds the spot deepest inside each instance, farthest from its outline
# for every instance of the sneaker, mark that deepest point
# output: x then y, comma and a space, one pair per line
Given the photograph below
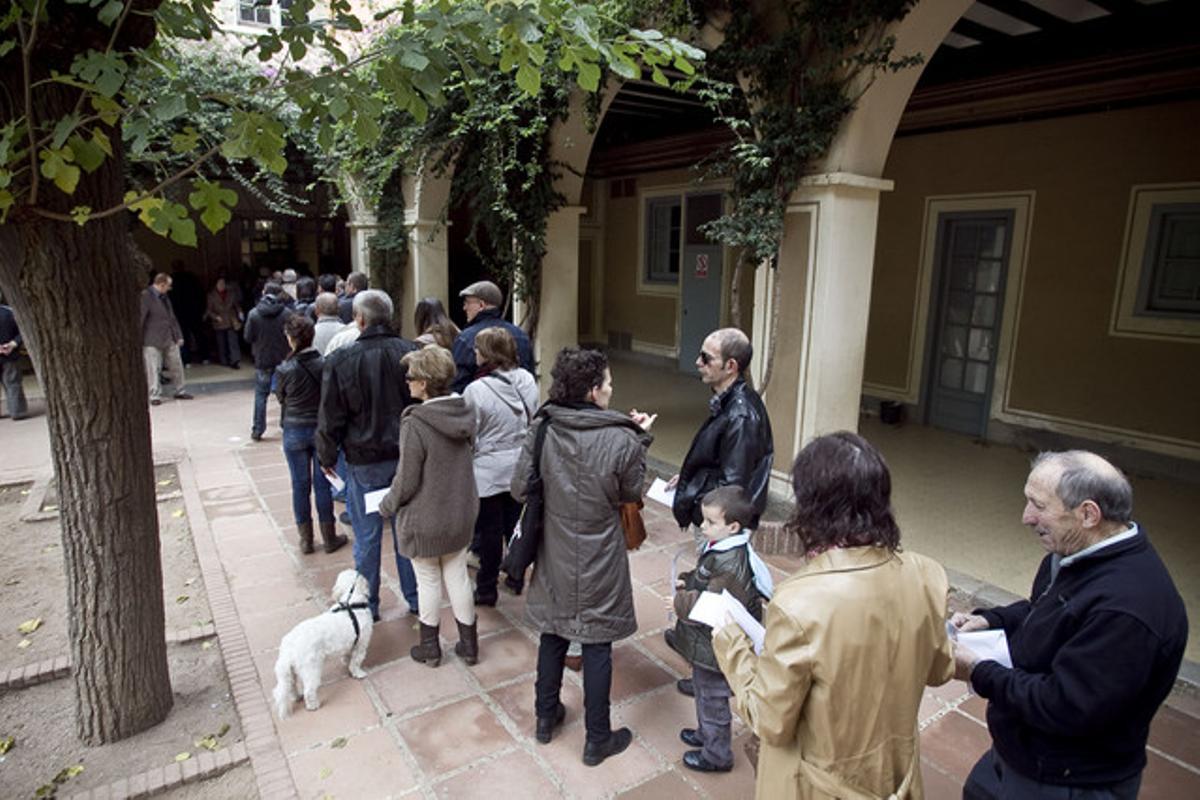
594, 753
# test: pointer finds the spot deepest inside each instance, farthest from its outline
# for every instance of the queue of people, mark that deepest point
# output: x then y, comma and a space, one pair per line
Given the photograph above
447, 428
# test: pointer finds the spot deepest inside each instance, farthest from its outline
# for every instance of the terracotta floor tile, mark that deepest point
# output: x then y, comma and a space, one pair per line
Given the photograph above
284, 591
929, 708
1177, 735
453, 736
514, 774
650, 609
676, 663
648, 566
950, 692
332, 670
667, 785
517, 701
658, 718
345, 710
488, 620
975, 707
391, 641
253, 570
634, 674
938, 785
226, 494
275, 484
239, 527
1186, 703
239, 508
503, 657
407, 685
954, 743
370, 765
264, 630
1164, 780
565, 756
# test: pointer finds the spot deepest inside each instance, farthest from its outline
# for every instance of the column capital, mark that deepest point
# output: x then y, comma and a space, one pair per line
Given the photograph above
848, 179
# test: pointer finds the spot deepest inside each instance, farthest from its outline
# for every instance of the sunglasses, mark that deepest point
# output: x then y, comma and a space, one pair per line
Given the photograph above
707, 358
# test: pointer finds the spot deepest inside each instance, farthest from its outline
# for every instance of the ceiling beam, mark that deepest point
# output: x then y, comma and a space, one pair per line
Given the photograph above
980, 33
1028, 13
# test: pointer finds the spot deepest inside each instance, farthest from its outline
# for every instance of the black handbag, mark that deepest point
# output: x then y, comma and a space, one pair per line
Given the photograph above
523, 547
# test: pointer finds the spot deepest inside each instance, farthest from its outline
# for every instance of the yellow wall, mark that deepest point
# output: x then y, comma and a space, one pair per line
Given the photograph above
649, 318
1065, 364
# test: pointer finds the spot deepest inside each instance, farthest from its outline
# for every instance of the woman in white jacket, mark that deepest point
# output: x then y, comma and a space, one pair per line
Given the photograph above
505, 398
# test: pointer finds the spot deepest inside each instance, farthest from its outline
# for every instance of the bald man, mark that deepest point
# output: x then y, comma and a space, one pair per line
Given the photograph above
733, 447
1094, 653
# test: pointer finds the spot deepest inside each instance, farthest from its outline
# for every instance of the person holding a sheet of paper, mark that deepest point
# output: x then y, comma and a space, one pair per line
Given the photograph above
730, 564
852, 638
1094, 653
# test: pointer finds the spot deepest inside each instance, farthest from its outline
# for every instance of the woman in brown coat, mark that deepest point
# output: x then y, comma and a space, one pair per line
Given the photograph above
852, 639
593, 459
434, 501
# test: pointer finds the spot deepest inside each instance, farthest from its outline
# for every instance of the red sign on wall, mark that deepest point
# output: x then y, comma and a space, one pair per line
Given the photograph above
701, 265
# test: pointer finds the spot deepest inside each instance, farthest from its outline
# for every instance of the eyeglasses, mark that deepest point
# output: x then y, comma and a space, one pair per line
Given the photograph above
707, 358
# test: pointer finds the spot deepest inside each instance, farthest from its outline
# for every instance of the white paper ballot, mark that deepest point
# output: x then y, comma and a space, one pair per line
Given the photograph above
711, 609
371, 500
659, 493
337, 483
989, 645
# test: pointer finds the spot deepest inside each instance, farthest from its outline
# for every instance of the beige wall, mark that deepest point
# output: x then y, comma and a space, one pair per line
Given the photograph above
1081, 168
649, 318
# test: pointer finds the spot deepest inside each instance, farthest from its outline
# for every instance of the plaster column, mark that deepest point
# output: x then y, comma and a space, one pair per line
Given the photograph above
427, 273
825, 265
558, 317
362, 227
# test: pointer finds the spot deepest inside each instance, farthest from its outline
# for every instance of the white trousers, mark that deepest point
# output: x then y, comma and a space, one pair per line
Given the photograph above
450, 570
155, 360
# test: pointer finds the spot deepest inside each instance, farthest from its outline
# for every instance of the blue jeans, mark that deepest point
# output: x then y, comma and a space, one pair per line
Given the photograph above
262, 389
228, 349
368, 531
300, 449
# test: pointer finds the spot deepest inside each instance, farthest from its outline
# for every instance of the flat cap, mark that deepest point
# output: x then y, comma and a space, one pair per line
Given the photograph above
486, 291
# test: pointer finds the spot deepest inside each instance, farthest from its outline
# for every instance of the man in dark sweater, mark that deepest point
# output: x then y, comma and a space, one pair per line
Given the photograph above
1094, 653
363, 391
481, 303
264, 333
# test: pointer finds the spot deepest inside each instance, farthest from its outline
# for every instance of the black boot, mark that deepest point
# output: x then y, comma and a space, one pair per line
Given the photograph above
429, 651
333, 540
617, 741
306, 536
468, 643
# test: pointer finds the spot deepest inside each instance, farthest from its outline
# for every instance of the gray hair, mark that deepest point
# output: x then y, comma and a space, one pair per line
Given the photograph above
374, 306
326, 304
736, 345
1083, 475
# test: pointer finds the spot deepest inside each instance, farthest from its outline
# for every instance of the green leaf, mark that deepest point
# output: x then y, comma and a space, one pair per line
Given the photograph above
338, 107
6, 45
87, 154
6, 202
297, 48
413, 59
7, 743
170, 106
658, 77
108, 109
81, 214
257, 136
63, 129
106, 70
185, 142
213, 201
100, 139
110, 12
529, 79
170, 219
56, 167
589, 76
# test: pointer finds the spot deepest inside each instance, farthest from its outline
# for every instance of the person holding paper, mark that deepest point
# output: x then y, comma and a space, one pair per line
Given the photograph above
852, 638
363, 393
434, 501
728, 563
593, 459
298, 387
1094, 653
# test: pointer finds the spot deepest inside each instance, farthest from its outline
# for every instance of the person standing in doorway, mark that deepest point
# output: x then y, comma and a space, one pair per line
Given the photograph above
264, 332
481, 303
224, 314
10, 364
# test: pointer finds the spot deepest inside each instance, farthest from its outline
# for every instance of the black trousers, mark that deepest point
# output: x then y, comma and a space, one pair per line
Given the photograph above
498, 515
597, 682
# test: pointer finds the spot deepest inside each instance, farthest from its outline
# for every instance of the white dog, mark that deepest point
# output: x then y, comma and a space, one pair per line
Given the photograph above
344, 628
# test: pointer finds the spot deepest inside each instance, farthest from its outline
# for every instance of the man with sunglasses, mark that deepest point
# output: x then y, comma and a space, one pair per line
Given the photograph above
733, 447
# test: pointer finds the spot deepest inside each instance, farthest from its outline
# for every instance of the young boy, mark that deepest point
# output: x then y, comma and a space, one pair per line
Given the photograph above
726, 562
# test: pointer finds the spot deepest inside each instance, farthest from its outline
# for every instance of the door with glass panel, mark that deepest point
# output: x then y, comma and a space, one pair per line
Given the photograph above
971, 256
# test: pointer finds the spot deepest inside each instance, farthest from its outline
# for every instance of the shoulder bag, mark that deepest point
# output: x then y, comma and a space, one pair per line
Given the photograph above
523, 547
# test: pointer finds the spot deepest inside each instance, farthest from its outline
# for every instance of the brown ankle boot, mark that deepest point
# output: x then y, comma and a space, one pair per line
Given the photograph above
429, 651
333, 540
468, 643
306, 536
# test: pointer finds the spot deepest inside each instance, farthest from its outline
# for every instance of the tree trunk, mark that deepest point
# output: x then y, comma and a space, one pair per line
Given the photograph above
75, 294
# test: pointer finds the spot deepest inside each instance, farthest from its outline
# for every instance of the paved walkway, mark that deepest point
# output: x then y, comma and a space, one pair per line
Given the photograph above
458, 731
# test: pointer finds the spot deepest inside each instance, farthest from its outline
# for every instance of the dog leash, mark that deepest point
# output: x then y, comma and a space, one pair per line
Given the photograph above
350, 608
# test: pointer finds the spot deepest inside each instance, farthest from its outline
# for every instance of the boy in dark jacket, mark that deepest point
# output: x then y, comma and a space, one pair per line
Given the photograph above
726, 562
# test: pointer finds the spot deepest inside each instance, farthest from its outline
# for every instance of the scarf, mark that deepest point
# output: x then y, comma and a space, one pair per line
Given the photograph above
762, 575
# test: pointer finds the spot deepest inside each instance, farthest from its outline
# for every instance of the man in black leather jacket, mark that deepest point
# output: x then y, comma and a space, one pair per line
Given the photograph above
363, 391
734, 446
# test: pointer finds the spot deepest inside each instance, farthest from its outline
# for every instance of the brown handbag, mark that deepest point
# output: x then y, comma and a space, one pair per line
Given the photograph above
631, 521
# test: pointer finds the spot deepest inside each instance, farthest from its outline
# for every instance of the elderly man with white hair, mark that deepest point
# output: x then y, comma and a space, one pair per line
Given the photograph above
1095, 650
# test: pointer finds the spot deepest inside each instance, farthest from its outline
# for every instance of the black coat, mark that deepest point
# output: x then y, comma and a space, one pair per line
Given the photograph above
9, 333
732, 448
464, 346
298, 387
717, 569
362, 394
1094, 655
264, 332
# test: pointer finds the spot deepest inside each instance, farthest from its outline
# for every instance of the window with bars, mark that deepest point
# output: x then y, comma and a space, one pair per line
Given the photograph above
1170, 281
664, 218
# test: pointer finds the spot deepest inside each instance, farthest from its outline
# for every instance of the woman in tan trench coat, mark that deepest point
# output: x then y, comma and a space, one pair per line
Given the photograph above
852, 639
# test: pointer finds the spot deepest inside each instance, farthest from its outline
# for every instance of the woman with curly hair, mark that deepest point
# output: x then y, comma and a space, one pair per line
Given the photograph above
852, 639
593, 459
